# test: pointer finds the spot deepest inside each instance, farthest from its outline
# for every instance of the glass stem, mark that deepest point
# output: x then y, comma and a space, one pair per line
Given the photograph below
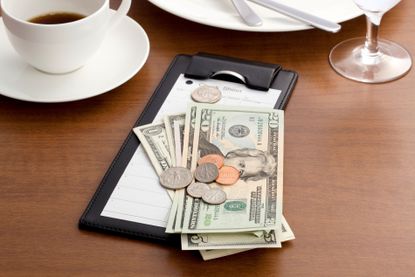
372, 34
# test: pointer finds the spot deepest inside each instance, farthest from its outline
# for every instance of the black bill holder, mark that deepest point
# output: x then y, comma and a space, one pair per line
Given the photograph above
255, 75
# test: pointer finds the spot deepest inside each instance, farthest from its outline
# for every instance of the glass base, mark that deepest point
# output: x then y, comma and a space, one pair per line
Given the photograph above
351, 60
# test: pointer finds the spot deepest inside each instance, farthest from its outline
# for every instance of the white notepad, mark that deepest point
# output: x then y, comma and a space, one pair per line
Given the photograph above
138, 196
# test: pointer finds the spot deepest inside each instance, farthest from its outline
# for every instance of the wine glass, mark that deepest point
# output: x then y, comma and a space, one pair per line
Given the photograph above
371, 60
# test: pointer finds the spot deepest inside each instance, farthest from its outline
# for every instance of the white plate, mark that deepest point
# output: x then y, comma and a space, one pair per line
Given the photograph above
123, 53
222, 14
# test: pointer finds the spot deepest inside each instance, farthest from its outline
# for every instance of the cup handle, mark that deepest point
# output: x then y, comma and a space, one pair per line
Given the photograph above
120, 13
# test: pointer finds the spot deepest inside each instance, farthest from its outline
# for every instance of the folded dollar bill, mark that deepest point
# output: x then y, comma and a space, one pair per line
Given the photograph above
236, 240
286, 235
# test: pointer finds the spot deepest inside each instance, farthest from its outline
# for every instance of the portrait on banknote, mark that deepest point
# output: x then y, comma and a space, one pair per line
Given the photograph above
253, 164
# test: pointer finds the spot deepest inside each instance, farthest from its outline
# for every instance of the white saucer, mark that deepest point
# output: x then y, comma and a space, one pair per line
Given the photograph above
123, 53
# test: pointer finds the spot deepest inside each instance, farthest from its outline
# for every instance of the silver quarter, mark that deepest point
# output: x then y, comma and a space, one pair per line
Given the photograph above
176, 178
206, 173
214, 196
197, 189
206, 94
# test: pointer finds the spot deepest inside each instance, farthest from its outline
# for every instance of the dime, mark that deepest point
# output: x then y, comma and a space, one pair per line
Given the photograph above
206, 94
214, 196
228, 175
176, 178
197, 189
206, 172
212, 158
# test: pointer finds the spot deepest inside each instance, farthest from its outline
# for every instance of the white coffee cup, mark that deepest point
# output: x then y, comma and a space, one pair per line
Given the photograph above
59, 48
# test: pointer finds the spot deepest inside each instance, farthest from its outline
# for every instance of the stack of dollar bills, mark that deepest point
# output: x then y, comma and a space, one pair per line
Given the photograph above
249, 139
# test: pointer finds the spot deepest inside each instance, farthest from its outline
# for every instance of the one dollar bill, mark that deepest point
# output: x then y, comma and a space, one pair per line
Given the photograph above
175, 129
154, 139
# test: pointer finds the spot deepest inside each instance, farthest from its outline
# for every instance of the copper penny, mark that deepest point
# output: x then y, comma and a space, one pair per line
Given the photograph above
212, 158
228, 175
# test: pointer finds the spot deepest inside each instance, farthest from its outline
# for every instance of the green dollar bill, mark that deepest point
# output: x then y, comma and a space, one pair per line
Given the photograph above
209, 241
251, 140
180, 195
242, 240
286, 235
153, 138
175, 135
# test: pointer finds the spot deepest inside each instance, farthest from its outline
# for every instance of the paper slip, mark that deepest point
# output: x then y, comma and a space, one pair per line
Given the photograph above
138, 196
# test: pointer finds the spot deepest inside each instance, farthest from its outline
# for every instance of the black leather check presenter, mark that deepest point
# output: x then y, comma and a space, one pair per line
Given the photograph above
257, 76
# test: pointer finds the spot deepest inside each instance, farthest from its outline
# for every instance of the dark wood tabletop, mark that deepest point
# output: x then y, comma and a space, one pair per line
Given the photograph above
349, 165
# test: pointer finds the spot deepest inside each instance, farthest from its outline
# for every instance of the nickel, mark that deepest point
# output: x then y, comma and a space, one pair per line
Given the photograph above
176, 178
206, 173
197, 189
214, 196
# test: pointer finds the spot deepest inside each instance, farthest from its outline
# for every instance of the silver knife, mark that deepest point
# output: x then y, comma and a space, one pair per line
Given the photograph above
247, 14
310, 19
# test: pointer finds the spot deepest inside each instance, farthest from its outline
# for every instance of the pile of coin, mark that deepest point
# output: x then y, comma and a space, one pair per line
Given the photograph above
212, 165
210, 169
207, 172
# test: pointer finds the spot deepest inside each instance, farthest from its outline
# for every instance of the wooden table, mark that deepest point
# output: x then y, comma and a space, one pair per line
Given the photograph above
349, 176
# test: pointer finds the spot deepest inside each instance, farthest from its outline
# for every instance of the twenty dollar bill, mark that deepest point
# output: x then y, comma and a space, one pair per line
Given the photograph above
251, 140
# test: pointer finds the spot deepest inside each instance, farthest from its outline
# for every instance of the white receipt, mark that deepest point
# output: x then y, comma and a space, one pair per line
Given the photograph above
138, 195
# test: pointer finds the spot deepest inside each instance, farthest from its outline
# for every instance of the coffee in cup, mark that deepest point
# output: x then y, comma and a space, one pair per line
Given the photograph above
59, 36
56, 18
